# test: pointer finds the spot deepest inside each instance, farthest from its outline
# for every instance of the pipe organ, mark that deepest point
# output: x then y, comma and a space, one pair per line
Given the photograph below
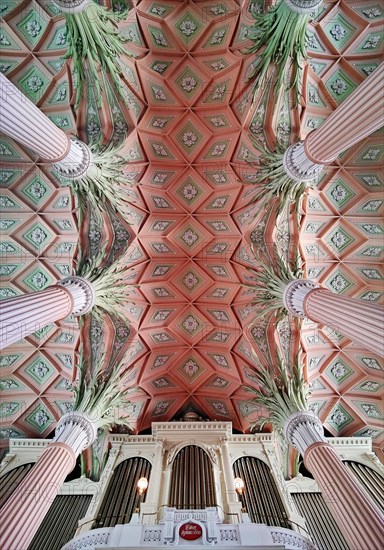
260, 498
371, 481
10, 480
60, 524
122, 497
319, 521
192, 482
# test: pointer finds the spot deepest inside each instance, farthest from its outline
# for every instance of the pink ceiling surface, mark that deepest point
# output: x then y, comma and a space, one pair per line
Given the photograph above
194, 337
192, 311
195, 215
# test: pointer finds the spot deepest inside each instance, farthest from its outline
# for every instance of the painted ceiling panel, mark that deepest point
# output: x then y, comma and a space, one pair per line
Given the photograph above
193, 142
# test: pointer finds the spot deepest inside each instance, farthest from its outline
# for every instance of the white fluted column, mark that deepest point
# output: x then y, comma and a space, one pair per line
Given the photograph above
25, 314
21, 120
360, 321
149, 508
228, 472
154, 486
233, 504
24, 511
356, 118
166, 488
355, 513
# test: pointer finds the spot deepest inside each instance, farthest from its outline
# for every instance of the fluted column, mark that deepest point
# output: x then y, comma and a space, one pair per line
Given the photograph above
357, 516
357, 117
228, 472
233, 504
24, 511
166, 486
149, 508
153, 492
23, 315
362, 322
21, 120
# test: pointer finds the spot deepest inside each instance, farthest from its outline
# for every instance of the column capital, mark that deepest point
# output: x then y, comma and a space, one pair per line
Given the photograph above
302, 429
72, 6
77, 162
77, 430
298, 166
294, 295
82, 292
303, 6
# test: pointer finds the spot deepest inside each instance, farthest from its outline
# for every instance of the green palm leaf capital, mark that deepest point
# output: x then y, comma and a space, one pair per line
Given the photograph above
282, 392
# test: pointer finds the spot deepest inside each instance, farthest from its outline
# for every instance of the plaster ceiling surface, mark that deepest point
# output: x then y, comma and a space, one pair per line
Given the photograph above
191, 131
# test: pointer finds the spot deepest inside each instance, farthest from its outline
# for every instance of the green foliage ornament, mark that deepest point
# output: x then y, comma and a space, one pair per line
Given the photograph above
282, 392
109, 284
274, 182
268, 283
101, 394
104, 182
282, 32
93, 41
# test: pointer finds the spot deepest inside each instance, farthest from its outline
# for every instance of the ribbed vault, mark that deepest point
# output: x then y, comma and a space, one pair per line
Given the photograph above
190, 128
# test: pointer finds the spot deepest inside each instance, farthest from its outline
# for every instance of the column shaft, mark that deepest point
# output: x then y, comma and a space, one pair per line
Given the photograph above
21, 120
23, 315
153, 492
229, 478
362, 322
357, 117
166, 488
356, 515
23, 513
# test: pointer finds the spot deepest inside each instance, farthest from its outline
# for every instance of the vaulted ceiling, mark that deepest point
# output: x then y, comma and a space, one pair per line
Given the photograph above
193, 140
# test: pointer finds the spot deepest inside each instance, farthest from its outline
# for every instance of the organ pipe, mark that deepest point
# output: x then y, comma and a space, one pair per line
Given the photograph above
319, 521
192, 479
122, 496
260, 498
372, 482
10, 480
60, 524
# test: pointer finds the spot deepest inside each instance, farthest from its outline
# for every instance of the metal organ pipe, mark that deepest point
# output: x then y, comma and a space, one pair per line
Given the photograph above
10, 480
319, 521
372, 482
260, 498
61, 521
122, 496
192, 479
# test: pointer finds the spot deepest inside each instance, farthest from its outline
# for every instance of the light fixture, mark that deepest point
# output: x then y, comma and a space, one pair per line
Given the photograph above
239, 485
142, 485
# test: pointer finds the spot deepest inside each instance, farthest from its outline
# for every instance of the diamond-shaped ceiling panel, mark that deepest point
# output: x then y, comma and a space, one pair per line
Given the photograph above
189, 129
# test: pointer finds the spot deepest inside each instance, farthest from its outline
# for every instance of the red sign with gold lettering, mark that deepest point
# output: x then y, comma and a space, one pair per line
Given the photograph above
190, 531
